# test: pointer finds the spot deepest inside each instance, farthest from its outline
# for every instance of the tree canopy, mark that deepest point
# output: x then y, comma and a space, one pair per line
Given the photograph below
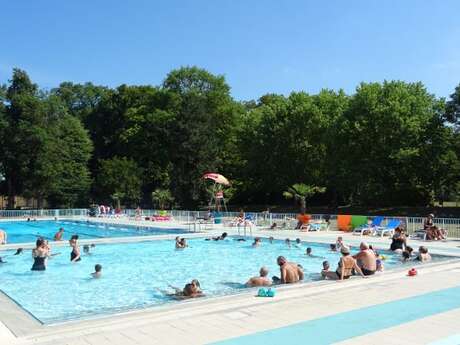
390, 143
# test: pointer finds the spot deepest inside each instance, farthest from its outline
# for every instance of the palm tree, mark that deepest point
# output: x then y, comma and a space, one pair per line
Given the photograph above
162, 197
300, 192
116, 197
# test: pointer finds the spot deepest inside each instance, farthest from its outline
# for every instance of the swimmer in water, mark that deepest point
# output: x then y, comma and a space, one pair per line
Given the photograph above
257, 242
218, 238
287, 241
97, 271
86, 248
58, 235
190, 290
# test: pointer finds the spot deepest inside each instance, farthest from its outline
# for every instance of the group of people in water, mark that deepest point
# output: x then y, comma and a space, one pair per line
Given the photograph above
365, 262
42, 252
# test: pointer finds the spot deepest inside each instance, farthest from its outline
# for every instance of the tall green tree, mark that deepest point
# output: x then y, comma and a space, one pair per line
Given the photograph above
203, 129
119, 179
388, 145
45, 152
22, 135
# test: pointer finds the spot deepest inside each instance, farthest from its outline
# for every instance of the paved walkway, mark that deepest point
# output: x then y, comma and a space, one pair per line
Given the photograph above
218, 319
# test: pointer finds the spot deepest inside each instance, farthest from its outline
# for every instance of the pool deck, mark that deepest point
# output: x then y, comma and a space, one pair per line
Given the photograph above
204, 321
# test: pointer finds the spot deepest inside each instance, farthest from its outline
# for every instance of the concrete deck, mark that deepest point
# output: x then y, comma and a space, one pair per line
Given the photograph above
215, 319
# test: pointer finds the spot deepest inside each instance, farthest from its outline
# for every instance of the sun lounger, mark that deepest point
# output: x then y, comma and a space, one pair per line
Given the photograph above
421, 234
388, 229
376, 223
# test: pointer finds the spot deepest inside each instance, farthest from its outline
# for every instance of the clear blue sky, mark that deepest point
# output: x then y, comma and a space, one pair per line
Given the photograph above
260, 46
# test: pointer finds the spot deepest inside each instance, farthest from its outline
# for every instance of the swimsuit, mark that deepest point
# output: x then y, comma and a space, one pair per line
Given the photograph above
340, 275
73, 255
39, 264
367, 272
396, 243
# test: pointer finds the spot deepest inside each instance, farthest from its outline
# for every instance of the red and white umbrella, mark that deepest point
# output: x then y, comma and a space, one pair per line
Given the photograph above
217, 178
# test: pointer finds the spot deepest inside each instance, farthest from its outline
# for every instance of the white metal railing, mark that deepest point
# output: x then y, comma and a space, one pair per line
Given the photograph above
72, 212
288, 220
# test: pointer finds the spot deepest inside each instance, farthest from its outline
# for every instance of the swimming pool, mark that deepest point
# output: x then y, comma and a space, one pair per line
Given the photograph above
23, 231
132, 273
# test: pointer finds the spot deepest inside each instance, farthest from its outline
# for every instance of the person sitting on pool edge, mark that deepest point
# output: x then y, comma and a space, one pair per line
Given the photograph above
58, 235
290, 272
97, 271
366, 259
261, 280
344, 268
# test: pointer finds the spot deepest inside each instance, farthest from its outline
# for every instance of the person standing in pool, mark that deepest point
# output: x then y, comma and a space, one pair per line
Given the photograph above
3, 236
58, 235
75, 253
40, 255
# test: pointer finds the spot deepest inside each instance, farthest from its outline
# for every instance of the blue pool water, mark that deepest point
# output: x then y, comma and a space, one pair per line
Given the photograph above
132, 273
23, 231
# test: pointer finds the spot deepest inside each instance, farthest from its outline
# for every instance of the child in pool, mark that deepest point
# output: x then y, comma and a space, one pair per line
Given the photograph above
325, 269
97, 271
